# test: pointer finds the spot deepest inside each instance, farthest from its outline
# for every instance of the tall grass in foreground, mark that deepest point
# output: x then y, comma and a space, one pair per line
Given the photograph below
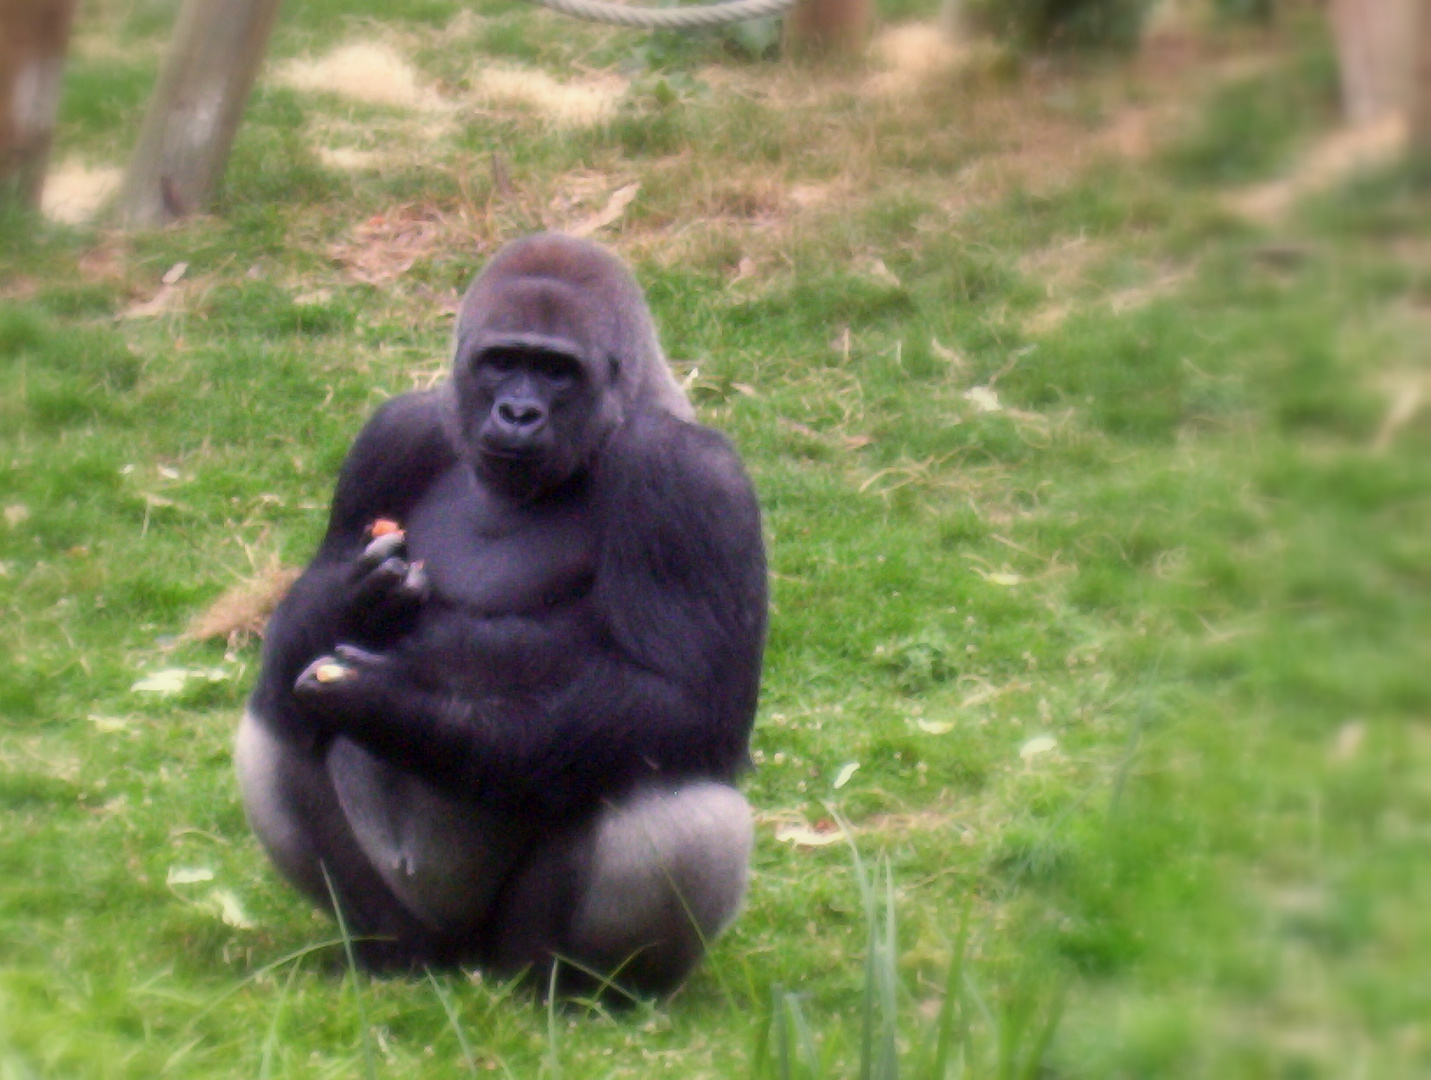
964, 1039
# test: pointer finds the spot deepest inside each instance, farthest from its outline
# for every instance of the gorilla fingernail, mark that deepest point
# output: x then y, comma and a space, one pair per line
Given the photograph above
331, 673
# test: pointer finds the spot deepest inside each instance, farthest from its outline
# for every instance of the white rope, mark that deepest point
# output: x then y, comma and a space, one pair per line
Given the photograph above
688, 18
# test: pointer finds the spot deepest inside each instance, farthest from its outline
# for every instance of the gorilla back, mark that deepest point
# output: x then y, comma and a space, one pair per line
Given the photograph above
500, 714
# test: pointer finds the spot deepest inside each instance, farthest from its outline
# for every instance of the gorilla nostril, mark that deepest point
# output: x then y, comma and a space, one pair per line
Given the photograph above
519, 414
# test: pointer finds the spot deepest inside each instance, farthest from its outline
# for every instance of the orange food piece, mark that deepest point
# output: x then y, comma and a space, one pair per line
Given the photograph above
383, 526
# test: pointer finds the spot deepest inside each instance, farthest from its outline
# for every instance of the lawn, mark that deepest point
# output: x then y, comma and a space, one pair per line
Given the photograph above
1097, 499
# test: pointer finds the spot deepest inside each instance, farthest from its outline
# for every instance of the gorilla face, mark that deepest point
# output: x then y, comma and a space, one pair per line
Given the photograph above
532, 410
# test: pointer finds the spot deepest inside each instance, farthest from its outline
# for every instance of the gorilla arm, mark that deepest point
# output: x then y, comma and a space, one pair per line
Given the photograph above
669, 690
353, 591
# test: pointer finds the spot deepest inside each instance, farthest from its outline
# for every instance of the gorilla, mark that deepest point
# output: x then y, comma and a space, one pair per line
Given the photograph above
499, 716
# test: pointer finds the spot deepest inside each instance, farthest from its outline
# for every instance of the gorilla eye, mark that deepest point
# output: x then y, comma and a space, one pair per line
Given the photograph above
500, 360
556, 367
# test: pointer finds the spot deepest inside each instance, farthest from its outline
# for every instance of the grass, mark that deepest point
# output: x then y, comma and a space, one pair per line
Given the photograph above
1095, 544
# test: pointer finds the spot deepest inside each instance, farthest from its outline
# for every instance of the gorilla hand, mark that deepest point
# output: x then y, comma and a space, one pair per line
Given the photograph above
387, 588
329, 679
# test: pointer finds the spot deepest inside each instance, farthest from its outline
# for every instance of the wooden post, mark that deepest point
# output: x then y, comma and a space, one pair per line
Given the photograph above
196, 108
1374, 54
33, 38
1420, 111
828, 27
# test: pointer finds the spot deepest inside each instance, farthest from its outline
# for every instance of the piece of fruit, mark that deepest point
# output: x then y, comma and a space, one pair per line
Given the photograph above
383, 526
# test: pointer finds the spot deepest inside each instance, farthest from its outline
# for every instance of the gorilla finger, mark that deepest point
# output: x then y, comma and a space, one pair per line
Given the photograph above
383, 548
355, 657
381, 581
322, 673
415, 584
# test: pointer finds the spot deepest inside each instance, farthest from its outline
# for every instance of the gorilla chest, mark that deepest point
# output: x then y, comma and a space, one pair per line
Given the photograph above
490, 558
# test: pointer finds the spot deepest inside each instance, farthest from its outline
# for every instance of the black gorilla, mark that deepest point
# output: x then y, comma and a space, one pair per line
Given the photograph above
507, 732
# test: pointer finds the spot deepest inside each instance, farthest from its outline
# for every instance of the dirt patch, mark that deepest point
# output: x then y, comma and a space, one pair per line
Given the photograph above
75, 192
913, 55
1131, 133
579, 103
1335, 159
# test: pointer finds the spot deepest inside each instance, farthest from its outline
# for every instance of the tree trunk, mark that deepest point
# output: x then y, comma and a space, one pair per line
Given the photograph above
33, 37
196, 108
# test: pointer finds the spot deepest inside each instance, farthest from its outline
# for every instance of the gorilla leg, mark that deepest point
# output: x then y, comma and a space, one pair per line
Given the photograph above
637, 892
294, 809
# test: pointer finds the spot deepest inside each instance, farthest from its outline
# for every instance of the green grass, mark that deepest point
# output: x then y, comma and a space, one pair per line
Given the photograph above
1181, 548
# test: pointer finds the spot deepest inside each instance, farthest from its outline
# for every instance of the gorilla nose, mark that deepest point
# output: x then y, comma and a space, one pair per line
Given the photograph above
521, 417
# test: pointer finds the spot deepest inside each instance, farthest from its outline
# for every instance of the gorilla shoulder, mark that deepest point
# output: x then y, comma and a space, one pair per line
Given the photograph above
395, 458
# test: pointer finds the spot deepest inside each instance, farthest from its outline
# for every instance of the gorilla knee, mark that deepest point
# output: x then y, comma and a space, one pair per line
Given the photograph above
667, 874
276, 785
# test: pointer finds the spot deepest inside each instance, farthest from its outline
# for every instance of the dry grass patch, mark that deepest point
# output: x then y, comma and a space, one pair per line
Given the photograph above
383, 248
581, 102
75, 191
370, 72
243, 610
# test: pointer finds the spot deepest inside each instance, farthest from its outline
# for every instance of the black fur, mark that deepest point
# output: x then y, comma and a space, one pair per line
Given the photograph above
577, 609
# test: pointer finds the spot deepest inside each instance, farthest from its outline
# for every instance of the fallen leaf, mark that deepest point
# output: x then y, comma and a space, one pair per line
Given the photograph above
984, 399
1003, 579
168, 681
16, 515
1349, 739
804, 836
845, 773
188, 875
1407, 398
615, 206
165, 300
1039, 744
934, 727
174, 273
230, 910
109, 725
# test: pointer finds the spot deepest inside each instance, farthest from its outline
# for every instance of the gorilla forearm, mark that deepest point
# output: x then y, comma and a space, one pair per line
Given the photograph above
613, 726
312, 619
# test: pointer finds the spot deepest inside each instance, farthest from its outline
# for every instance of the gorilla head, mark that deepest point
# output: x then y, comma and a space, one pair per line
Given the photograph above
554, 345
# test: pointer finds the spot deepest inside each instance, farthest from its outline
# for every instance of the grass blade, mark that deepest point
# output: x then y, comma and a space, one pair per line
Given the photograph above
370, 1069
944, 1038
803, 1041
889, 983
270, 1039
1045, 1036
553, 1060
452, 1021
